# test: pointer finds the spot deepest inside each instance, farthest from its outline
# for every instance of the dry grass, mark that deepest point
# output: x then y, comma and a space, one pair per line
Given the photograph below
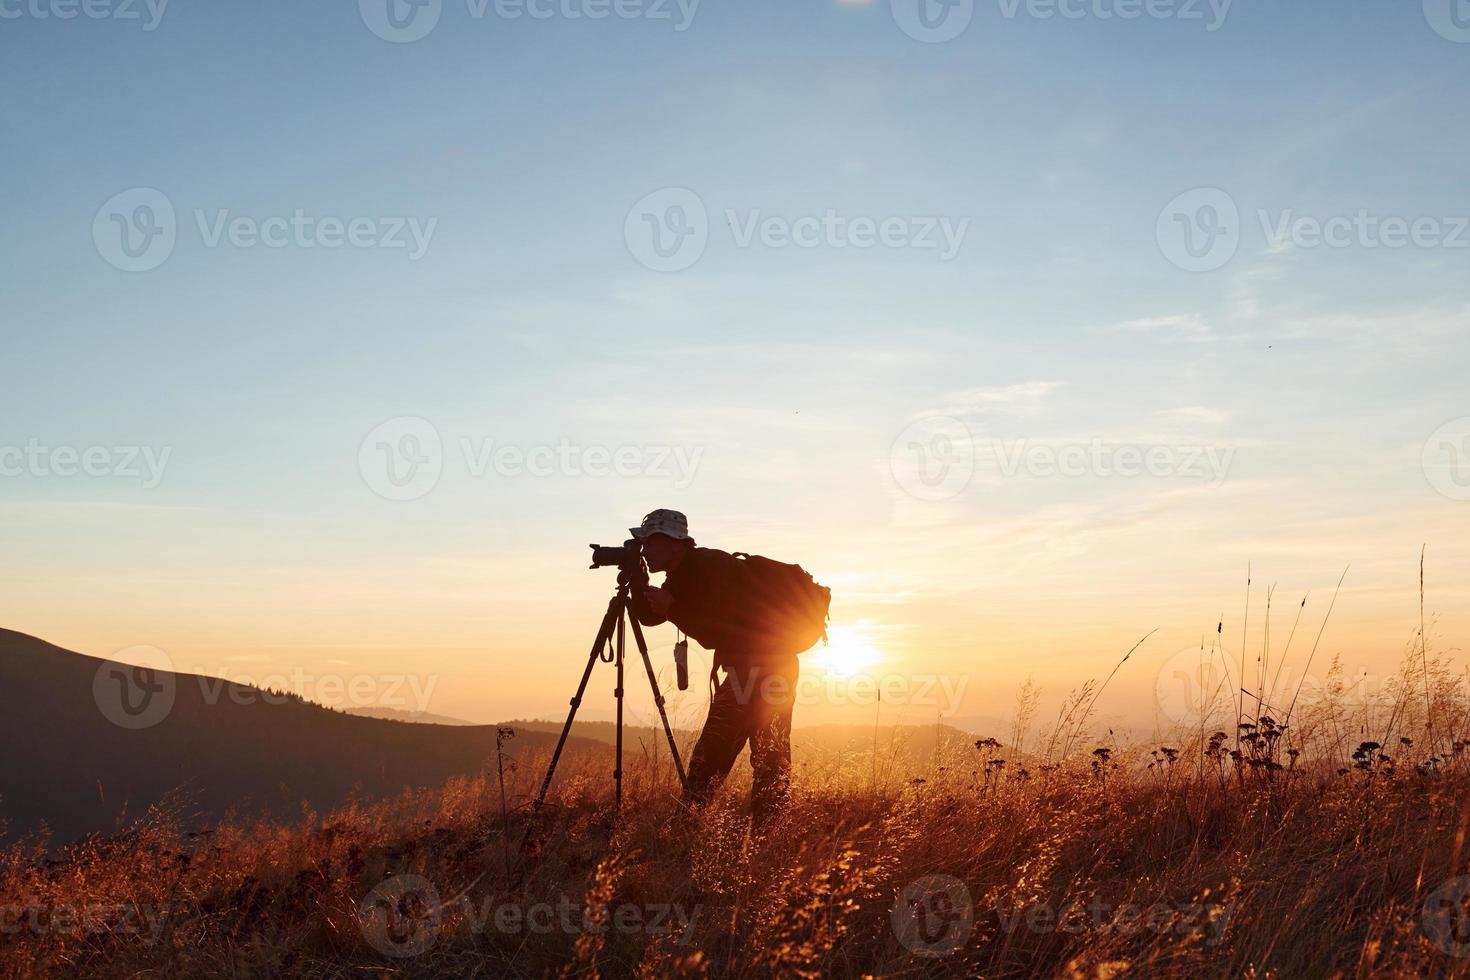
1085, 869
1308, 850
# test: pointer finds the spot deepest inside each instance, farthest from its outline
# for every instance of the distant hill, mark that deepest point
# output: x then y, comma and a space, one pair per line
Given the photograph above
913, 744
224, 745
399, 714
606, 732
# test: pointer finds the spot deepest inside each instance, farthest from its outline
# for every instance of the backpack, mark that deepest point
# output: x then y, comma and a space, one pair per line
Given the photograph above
783, 603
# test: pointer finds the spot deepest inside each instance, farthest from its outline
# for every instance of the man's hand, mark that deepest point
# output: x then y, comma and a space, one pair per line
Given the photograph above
659, 601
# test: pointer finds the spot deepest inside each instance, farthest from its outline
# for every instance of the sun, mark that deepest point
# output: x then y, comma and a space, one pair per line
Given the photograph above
850, 650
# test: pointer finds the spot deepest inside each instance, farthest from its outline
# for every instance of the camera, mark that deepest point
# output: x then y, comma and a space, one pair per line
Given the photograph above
624, 555
628, 559
621, 556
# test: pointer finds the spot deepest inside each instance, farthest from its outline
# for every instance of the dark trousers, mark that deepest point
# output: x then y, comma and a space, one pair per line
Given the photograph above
752, 704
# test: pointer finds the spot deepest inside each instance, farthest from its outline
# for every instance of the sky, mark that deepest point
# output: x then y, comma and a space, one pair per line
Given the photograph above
334, 333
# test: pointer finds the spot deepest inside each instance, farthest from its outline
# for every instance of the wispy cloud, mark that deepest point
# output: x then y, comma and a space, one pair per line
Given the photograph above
1182, 326
1015, 397
1192, 415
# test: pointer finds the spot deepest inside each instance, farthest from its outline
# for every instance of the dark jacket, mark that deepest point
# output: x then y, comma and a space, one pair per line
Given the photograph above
710, 605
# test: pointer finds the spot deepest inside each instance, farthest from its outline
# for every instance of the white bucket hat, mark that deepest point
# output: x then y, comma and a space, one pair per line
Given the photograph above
669, 522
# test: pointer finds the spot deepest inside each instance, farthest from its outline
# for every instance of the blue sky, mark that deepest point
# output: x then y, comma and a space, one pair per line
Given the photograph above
529, 320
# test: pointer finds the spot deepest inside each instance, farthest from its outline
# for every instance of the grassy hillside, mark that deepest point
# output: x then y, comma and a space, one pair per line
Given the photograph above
1124, 862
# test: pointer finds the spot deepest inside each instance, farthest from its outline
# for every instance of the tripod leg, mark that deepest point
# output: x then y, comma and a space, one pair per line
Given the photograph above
613, 617
618, 694
658, 699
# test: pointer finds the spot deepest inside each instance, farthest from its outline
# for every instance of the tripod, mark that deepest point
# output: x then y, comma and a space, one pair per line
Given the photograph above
608, 647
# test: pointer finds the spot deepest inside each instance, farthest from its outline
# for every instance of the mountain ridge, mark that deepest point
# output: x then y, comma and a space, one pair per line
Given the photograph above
219, 747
